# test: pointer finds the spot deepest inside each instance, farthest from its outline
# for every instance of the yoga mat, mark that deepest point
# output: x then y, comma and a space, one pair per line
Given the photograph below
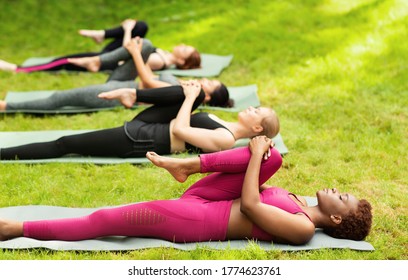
23, 96
211, 65
243, 96
119, 243
15, 138
32, 61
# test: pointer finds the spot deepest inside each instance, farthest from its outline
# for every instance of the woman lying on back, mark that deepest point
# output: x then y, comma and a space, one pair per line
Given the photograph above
182, 56
123, 82
231, 203
166, 127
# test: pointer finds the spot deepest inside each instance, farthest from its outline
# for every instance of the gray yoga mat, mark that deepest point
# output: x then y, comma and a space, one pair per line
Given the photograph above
15, 138
119, 243
211, 65
243, 96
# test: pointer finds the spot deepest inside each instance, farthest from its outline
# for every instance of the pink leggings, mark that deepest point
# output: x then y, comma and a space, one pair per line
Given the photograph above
43, 67
201, 214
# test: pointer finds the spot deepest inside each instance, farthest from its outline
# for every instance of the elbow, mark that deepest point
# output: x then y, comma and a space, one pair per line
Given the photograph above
177, 131
180, 132
246, 208
303, 238
243, 209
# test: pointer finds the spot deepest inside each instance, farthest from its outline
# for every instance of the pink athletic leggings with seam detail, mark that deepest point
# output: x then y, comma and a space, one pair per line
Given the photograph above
201, 214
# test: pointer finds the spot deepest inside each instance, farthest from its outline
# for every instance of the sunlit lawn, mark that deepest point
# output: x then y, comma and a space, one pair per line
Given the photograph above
335, 71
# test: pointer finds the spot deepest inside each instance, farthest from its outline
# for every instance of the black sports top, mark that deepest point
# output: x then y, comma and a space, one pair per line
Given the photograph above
156, 136
149, 136
203, 120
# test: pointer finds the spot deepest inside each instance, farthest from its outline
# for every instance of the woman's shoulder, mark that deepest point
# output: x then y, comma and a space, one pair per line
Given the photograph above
207, 118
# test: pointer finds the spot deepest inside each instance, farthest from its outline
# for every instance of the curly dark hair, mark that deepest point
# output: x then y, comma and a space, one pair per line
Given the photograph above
191, 62
356, 225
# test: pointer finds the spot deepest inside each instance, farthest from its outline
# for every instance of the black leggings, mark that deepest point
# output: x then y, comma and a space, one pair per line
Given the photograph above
116, 34
107, 142
113, 142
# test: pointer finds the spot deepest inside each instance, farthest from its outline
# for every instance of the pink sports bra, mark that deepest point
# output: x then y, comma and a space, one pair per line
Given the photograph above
279, 198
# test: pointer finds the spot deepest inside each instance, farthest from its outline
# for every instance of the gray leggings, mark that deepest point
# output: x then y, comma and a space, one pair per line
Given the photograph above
122, 77
79, 97
126, 71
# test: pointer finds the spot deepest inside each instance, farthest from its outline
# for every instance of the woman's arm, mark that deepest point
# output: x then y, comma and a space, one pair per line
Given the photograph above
134, 46
205, 139
295, 229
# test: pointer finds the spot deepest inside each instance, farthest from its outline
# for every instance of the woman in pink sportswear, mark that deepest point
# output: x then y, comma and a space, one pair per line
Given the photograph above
230, 203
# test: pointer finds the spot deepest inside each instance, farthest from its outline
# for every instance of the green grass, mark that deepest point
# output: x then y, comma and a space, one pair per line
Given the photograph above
335, 73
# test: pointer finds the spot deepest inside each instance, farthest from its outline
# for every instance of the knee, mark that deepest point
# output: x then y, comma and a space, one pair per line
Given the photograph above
142, 28
274, 162
100, 216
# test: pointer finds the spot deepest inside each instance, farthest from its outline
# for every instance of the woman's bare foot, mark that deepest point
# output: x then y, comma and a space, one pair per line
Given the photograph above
179, 168
128, 24
126, 96
10, 229
97, 35
7, 66
92, 64
3, 105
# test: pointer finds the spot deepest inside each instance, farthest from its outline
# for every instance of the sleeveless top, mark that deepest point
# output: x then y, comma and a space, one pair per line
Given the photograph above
279, 198
156, 136
202, 120
162, 58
